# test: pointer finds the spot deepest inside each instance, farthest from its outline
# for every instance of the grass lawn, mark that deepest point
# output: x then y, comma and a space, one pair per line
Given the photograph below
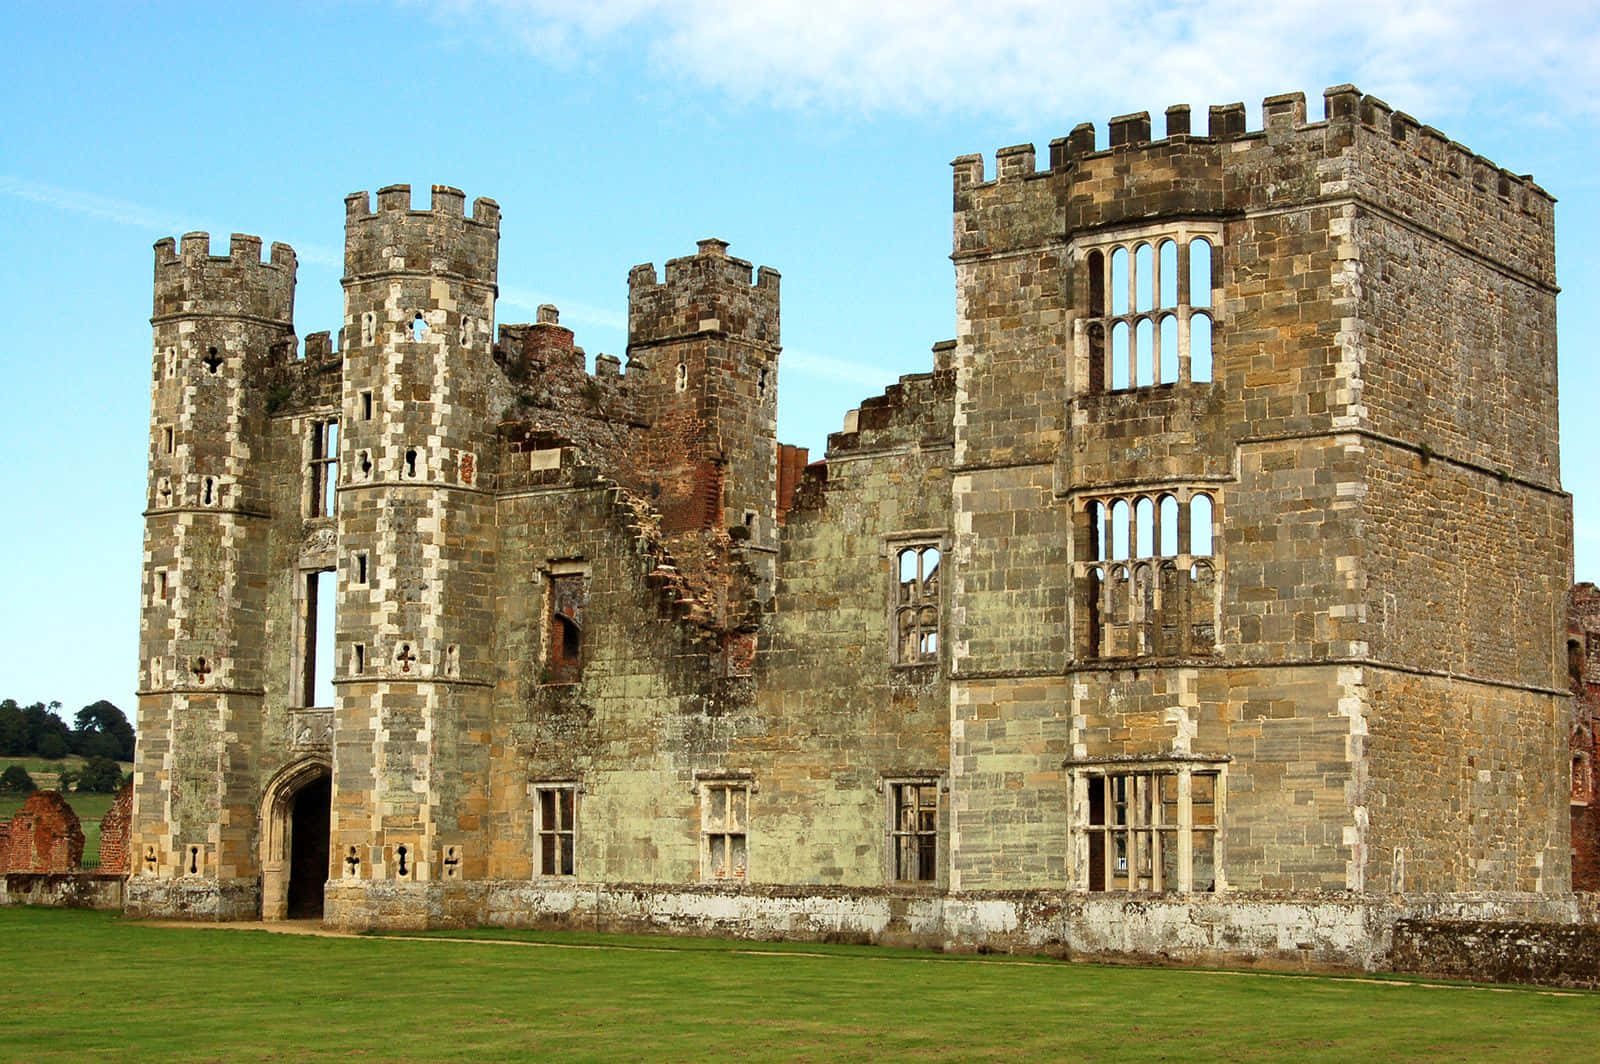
99, 986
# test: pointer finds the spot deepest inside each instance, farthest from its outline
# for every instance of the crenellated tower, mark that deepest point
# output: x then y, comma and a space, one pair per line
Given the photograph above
421, 394
219, 321
706, 341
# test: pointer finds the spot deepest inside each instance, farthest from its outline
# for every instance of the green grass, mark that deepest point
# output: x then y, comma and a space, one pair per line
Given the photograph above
97, 986
91, 809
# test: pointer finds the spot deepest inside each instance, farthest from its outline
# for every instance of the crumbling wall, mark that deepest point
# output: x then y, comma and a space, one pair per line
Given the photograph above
44, 836
114, 828
1583, 747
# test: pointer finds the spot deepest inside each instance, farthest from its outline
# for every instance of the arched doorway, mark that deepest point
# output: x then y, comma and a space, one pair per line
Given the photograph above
294, 841
308, 849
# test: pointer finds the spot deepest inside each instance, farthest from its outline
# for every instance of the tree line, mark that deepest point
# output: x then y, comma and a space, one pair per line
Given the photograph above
100, 733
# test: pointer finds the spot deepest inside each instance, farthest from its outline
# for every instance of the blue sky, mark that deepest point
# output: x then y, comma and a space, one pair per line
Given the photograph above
814, 136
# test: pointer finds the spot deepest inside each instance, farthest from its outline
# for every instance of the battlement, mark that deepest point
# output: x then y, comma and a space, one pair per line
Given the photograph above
1283, 115
189, 279
441, 241
1361, 149
707, 292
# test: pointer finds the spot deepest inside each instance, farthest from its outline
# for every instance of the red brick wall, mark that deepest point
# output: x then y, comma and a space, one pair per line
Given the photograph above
45, 836
1583, 640
114, 831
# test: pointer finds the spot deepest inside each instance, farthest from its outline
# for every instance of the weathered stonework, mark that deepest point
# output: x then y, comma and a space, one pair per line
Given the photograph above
1205, 599
1583, 672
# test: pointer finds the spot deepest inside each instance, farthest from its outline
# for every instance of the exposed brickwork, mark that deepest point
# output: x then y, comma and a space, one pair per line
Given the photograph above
114, 831
1245, 589
1583, 671
44, 836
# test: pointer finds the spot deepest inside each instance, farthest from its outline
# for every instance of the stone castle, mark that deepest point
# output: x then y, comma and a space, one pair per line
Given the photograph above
1207, 597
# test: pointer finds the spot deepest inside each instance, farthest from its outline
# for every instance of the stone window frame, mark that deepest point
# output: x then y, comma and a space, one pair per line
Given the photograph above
722, 860
896, 830
1144, 833
899, 606
1124, 604
1092, 349
556, 789
557, 669
322, 467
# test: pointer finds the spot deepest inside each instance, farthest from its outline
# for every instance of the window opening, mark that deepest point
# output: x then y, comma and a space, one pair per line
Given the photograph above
419, 328
1163, 600
360, 566
915, 830
557, 834
1167, 346
916, 609
366, 406
1120, 370
723, 817
1200, 348
1144, 278
1200, 525
1119, 281
358, 659
364, 463
161, 585
1151, 309
324, 465
1119, 529
566, 610
1152, 830
761, 384
1167, 278
1168, 512
207, 489
682, 379
212, 361
168, 440
1199, 272
317, 630
411, 462
1144, 528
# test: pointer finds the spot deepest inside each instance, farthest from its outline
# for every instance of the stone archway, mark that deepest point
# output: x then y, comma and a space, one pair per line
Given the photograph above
294, 840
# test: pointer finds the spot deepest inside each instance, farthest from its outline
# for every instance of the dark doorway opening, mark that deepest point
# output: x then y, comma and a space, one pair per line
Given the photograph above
308, 849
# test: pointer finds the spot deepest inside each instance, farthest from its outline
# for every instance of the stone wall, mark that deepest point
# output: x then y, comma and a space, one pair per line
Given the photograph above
1499, 951
114, 833
1583, 747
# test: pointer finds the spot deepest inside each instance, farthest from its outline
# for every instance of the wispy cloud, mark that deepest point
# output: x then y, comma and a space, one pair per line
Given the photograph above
1024, 58
571, 311
133, 215
822, 367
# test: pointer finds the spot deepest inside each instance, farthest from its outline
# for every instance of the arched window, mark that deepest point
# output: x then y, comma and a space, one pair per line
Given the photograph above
1200, 348
1200, 525
1119, 529
1200, 272
1144, 278
916, 612
1168, 277
1121, 376
1144, 527
1169, 526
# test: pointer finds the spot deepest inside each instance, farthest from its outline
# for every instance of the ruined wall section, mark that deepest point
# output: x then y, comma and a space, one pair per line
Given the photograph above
422, 395
1583, 746
703, 346
649, 706
849, 705
219, 323
556, 396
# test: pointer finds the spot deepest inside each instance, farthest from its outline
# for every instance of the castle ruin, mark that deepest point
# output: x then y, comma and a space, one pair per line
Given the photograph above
1206, 598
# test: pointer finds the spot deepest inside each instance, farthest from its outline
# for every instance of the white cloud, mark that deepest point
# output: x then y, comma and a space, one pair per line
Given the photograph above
571, 311
137, 216
821, 367
1024, 58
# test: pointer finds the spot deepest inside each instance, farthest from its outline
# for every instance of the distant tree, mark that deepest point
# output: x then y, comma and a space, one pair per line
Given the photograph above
48, 734
103, 731
101, 775
13, 729
15, 780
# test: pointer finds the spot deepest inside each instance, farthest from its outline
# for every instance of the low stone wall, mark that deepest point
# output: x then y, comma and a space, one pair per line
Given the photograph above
1268, 930
149, 897
1499, 952
62, 890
